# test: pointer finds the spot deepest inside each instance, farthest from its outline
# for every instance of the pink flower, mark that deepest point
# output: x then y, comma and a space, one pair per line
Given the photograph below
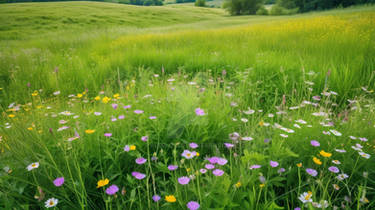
228, 145
209, 166
108, 134
59, 181
315, 143
111, 190
255, 167
138, 175
172, 167
218, 172
199, 112
114, 106
192, 205
193, 145
274, 164
334, 169
144, 138
184, 180
140, 160
138, 111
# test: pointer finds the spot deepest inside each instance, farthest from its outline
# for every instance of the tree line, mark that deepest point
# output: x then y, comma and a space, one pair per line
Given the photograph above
285, 7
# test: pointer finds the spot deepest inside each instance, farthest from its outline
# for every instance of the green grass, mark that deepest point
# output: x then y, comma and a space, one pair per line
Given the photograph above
169, 61
22, 20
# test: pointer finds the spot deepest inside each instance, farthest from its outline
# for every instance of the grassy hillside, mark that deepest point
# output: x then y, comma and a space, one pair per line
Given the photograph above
24, 19
107, 106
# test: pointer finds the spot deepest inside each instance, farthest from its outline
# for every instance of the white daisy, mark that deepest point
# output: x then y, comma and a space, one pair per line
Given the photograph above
365, 155
336, 133
52, 202
32, 166
306, 197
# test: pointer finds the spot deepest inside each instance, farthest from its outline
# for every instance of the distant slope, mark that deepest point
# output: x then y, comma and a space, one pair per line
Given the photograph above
25, 19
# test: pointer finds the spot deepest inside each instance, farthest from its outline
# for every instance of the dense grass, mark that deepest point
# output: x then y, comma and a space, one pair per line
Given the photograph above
259, 77
22, 20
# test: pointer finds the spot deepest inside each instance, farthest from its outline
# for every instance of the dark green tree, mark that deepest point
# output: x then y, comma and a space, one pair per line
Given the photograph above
243, 7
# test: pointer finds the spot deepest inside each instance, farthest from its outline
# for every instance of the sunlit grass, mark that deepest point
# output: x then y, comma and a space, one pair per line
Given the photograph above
273, 103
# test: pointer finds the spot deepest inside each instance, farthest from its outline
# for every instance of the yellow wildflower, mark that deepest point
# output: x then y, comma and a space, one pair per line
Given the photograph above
170, 198
89, 131
261, 123
35, 93
97, 98
197, 154
299, 165
132, 147
30, 128
317, 161
116, 96
79, 95
262, 185
325, 154
102, 183
11, 115
238, 184
308, 196
106, 99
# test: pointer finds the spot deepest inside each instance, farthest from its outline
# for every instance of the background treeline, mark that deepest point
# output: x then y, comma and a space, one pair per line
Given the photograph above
134, 2
309, 5
285, 7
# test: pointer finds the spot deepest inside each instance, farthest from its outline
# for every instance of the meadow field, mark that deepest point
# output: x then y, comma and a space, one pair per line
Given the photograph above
110, 106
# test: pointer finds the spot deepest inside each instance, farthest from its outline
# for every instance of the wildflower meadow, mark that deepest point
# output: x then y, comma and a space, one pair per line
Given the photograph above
212, 113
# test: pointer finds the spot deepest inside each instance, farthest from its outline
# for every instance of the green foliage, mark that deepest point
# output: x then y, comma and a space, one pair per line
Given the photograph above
200, 3
275, 67
305, 6
262, 11
243, 7
279, 10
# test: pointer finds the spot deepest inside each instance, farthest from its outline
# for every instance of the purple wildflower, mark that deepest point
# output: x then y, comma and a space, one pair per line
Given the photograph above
193, 145
255, 167
121, 117
209, 166
213, 160
126, 148
199, 112
114, 106
172, 167
108, 134
183, 180
281, 170
127, 107
315, 143
334, 169
222, 161
312, 172
144, 138
152, 117
156, 198
274, 164
228, 145
59, 181
218, 172
203, 171
138, 111
138, 175
140, 160
111, 190
187, 154
192, 205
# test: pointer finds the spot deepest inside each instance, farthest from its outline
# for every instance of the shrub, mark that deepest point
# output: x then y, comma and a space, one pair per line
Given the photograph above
200, 3
243, 7
279, 10
262, 11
